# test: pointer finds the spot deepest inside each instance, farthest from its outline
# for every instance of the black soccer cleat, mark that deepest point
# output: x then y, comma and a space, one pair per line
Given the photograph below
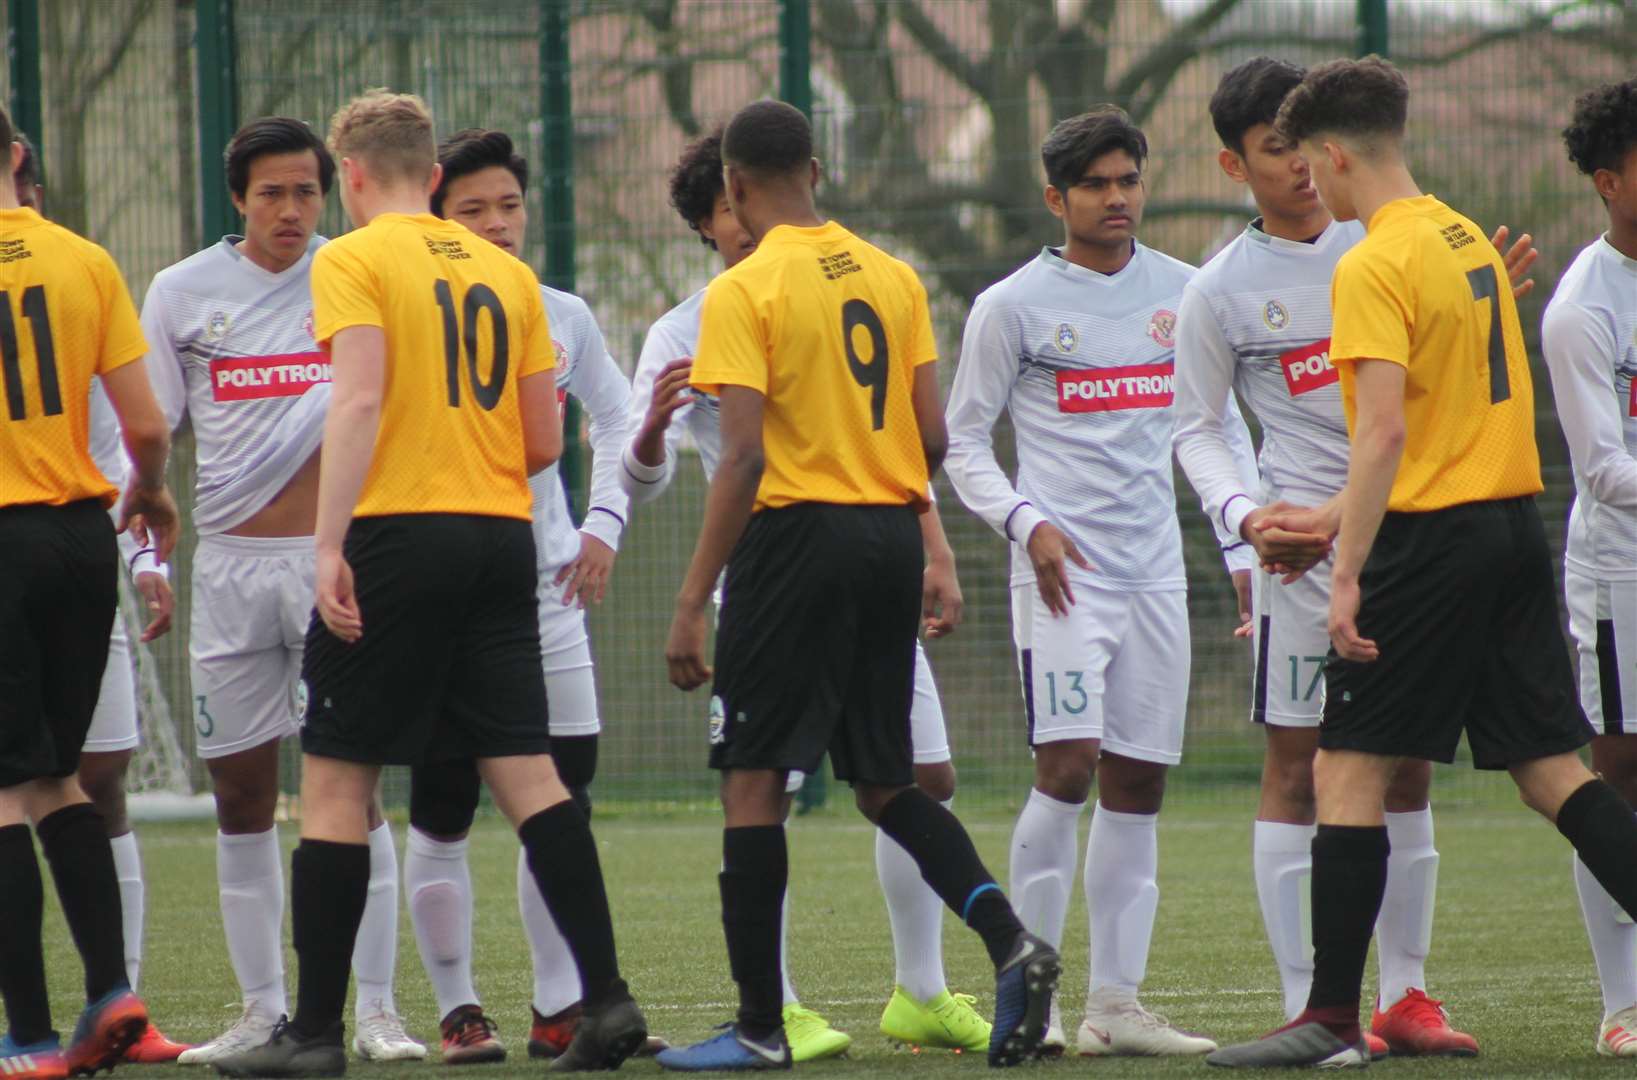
604, 1039
1023, 1001
290, 1054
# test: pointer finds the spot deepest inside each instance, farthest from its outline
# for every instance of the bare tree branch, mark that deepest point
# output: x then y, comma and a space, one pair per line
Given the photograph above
124, 38
949, 56
1536, 22
1159, 65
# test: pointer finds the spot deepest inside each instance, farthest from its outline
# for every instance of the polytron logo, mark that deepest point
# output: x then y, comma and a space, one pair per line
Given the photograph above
1139, 386
1308, 367
248, 378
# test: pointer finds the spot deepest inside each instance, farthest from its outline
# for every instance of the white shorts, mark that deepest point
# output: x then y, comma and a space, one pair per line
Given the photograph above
929, 739
113, 725
1115, 668
252, 600
565, 655
1603, 619
1290, 639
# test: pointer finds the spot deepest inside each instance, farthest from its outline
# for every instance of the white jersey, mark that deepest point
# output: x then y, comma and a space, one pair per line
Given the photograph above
231, 344
1590, 338
108, 451
1084, 363
586, 371
671, 338
1256, 318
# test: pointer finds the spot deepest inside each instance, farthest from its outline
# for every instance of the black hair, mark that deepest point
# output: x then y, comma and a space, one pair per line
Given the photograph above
1073, 144
274, 135
1348, 97
769, 138
1604, 128
1251, 94
473, 150
696, 181
28, 170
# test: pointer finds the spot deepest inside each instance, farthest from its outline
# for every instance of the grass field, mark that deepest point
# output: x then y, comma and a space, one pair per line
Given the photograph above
1510, 957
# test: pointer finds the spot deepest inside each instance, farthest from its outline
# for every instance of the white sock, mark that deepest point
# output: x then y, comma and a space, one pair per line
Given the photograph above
917, 917
784, 949
1614, 941
556, 977
128, 868
1404, 927
1282, 859
1045, 847
375, 953
1122, 859
250, 879
439, 885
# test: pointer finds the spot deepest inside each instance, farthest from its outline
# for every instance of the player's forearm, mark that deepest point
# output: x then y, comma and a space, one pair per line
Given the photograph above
349, 443
933, 538
1377, 449
728, 506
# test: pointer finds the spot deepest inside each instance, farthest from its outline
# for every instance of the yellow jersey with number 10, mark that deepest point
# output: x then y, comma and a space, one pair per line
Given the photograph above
1427, 290
463, 322
830, 329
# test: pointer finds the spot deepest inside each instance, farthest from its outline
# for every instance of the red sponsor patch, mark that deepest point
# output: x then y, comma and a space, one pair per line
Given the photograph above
1633, 409
247, 378
1139, 386
1308, 368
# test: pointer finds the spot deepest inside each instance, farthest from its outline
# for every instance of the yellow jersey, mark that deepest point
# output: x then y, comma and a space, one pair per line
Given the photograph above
65, 316
830, 329
1427, 290
464, 322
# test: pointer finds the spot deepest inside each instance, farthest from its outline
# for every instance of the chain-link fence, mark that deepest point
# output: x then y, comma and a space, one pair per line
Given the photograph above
929, 115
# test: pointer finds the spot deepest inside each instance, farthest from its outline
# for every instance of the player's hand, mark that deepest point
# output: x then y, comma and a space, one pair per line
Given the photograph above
1289, 535
941, 603
1049, 549
1344, 635
152, 518
333, 596
670, 394
1518, 258
587, 575
156, 591
685, 647
1241, 591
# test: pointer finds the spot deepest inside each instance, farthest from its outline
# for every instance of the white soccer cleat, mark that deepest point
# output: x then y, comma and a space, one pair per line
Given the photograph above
1054, 1042
381, 1036
1618, 1036
1119, 1025
254, 1028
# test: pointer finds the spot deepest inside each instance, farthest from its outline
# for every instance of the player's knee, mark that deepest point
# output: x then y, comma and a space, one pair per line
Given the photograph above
1289, 784
1065, 770
871, 799
581, 797
1408, 788
576, 759
106, 790
937, 780
1131, 787
245, 801
443, 798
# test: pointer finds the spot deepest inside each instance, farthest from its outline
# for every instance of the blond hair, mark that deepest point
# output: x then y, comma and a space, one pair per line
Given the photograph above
391, 133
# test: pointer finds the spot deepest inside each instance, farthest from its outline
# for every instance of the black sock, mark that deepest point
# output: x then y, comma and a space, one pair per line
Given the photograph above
1349, 876
576, 760
329, 885
563, 859
1603, 831
82, 864
755, 870
949, 863
22, 957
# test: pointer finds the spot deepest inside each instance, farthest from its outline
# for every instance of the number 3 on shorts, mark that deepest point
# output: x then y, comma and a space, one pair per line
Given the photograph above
202, 720
1075, 700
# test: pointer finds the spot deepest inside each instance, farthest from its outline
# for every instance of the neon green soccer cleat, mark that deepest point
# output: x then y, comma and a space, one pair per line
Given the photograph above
946, 1022
811, 1037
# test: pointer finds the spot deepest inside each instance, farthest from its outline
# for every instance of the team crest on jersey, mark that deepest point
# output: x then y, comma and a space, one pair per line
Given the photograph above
1162, 327
561, 352
217, 326
1275, 315
1067, 339
718, 731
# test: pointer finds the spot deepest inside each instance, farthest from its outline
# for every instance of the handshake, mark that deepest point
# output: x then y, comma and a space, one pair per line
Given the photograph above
1291, 540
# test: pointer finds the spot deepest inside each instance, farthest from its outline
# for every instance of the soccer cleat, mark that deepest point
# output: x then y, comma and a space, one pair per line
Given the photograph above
810, 1035
604, 1039
1618, 1035
469, 1037
549, 1036
154, 1049
1376, 1045
945, 1022
730, 1052
1119, 1025
381, 1036
42, 1060
1416, 1024
1023, 1000
1054, 1042
254, 1027
288, 1053
1308, 1044
107, 1028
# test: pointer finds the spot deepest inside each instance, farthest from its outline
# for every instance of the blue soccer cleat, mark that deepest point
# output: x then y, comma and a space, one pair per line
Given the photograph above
729, 1052
1023, 1001
107, 1028
41, 1060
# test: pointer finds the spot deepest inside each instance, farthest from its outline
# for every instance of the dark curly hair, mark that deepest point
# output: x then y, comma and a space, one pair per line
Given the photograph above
1361, 98
1604, 128
1251, 94
472, 150
696, 181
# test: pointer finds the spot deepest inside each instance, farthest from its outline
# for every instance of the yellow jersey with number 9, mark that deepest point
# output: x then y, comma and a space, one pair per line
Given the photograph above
830, 329
65, 316
1426, 289
463, 322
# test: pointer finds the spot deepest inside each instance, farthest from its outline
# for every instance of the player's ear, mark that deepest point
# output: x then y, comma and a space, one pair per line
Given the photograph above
434, 178
15, 159
1337, 155
1054, 201
1232, 164
1606, 181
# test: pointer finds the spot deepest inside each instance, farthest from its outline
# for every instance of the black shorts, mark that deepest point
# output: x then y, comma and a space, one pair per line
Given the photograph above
815, 650
1462, 605
449, 664
57, 601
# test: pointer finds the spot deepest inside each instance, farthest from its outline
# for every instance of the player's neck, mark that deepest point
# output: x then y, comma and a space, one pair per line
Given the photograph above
395, 200
265, 259
8, 197
801, 215
1622, 236
1298, 229
1377, 186
1103, 258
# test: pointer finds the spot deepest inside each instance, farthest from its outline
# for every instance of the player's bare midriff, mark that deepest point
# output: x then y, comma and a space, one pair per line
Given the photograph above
292, 512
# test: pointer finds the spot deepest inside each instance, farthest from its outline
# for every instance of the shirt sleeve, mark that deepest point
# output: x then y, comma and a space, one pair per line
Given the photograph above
600, 386
732, 348
1579, 356
643, 483
923, 347
346, 292
538, 352
164, 365
1212, 442
983, 386
1373, 309
122, 337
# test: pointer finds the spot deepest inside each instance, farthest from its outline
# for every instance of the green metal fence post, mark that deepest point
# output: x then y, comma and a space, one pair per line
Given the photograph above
557, 200
1372, 27
218, 89
23, 53
796, 53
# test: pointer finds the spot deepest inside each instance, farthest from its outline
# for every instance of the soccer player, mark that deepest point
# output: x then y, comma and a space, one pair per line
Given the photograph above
65, 317
1438, 508
482, 188
232, 339
818, 347
922, 1011
425, 643
1077, 345
1590, 338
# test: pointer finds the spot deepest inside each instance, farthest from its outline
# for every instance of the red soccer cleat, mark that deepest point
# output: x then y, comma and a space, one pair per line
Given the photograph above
154, 1049
549, 1036
1417, 1024
107, 1027
469, 1037
1378, 1046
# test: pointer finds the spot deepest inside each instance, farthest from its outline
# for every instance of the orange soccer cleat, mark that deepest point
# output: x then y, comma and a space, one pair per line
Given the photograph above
469, 1038
154, 1049
1417, 1024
